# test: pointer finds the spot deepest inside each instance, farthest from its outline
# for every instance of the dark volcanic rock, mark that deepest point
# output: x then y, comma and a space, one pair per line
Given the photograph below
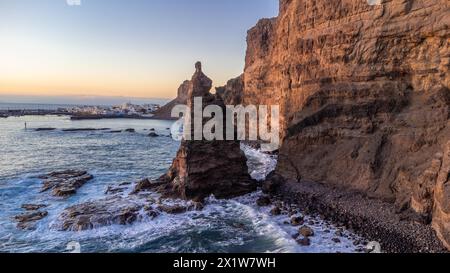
272, 183
111, 190
203, 167
84, 129
306, 231
44, 129
173, 209
65, 183
153, 134
305, 241
105, 212
28, 220
297, 221
33, 207
263, 201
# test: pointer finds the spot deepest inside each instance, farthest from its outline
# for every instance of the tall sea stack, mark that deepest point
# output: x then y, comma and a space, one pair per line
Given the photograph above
202, 167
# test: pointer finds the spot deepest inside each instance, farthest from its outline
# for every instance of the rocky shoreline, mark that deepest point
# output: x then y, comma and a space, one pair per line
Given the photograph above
371, 218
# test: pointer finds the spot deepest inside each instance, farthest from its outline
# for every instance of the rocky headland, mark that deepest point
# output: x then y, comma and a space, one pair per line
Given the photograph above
165, 112
365, 102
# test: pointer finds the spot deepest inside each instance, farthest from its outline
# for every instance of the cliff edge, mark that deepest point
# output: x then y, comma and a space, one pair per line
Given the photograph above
365, 99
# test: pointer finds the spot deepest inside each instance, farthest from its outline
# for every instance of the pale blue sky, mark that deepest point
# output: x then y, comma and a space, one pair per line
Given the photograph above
140, 48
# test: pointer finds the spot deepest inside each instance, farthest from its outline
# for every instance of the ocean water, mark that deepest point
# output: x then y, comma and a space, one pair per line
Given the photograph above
236, 225
32, 106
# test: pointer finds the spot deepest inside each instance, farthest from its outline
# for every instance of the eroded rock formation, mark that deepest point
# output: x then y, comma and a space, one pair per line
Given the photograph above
65, 183
365, 99
203, 167
232, 92
165, 112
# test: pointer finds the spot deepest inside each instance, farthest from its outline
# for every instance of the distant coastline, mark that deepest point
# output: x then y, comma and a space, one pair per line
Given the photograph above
34, 109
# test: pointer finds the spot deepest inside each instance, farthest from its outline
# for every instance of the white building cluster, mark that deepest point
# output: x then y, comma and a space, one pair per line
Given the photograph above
126, 109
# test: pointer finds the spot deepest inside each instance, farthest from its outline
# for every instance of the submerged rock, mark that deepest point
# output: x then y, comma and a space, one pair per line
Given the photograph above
105, 212
65, 183
28, 220
111, 190
33, 207
85, 129
305, 241
44, 129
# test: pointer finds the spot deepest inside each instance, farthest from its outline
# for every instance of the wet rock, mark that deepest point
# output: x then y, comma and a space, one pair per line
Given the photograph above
263, 201
28, 220
275, 211
297, 221
33, 207
129, 130
84, 129
305, 241
295, 236
198, 206
151, 212
306, 231
153, 134
336, 240
173, 209
111, 190
65, 183
105, 212
145, 185
272, 183
44, 129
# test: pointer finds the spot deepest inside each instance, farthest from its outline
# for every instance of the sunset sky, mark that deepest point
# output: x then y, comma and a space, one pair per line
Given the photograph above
132, 48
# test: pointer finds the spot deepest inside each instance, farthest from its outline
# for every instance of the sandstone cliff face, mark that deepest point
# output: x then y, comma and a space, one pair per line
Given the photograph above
232, 92
203, 167
365, 99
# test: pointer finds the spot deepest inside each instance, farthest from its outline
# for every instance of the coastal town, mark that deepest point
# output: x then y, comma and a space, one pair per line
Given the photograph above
126, 110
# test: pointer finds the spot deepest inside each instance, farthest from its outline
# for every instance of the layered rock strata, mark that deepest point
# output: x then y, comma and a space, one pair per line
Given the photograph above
365, 99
